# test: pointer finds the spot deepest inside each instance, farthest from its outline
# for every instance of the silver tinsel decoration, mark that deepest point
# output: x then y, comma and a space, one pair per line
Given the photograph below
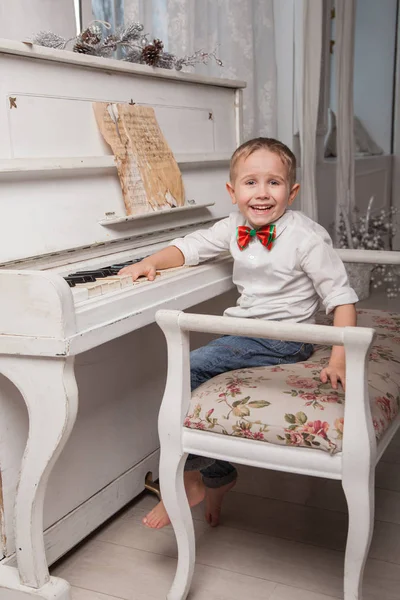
50, 40
372, 232
135, 46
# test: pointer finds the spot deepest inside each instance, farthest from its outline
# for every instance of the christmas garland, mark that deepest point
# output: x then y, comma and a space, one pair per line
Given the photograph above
372, 232
135, 46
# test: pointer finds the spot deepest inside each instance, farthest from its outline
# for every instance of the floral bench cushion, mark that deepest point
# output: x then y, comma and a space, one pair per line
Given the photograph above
289, 405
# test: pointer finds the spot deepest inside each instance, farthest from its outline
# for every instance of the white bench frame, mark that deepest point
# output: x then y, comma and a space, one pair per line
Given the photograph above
355, 465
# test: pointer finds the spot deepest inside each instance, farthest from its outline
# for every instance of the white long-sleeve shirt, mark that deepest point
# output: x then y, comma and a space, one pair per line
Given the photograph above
285, 283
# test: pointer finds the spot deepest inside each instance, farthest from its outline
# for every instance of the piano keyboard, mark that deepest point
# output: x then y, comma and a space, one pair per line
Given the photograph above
100, 281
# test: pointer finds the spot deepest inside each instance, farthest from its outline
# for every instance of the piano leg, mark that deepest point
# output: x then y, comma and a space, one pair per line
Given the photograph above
50, 392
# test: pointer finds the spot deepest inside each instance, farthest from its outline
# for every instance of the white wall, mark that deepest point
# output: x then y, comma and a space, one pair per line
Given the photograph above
21, 19
374, 67
374, 64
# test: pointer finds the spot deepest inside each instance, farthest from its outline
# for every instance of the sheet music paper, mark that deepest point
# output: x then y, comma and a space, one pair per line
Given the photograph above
149, 174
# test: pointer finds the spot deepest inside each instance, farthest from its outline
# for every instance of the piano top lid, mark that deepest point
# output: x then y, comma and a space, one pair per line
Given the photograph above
29, 50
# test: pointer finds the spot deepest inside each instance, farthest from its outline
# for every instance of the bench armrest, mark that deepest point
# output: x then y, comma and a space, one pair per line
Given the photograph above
359, 435
375, 257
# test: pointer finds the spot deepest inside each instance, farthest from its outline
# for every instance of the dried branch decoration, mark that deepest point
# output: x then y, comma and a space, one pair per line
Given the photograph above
135, 46
372, 232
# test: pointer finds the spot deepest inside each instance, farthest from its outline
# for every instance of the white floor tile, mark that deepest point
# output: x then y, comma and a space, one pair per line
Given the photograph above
81, 594
329, 494
283, 592
285, 520
274, 484
299, 565
132, 534
388, 476
136, 575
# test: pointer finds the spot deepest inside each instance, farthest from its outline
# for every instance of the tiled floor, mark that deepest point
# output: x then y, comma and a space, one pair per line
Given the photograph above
282, 538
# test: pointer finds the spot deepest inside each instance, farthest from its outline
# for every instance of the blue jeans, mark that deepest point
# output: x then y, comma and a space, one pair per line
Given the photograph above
228, 353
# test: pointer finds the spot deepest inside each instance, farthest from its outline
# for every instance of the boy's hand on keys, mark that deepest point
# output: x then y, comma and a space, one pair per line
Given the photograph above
140, 269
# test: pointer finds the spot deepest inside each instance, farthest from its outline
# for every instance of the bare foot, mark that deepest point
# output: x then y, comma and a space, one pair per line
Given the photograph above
195, 492
214, 498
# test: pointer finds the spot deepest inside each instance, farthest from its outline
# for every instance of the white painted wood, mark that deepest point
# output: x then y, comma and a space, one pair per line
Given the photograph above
115, 220
50, 392
355, 465
278, 458
141, 240
80, 522
173, 456
108, 64
100, 320
12, 589
57, 181
275, 330
381, 257
358, 464
51, 312
19, 166
54, 102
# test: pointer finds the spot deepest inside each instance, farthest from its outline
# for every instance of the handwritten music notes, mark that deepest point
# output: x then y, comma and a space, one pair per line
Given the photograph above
149, 174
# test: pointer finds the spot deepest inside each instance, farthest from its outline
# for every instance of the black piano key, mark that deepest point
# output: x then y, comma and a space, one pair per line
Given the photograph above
91, 275
80, 278
97, 273
115, 271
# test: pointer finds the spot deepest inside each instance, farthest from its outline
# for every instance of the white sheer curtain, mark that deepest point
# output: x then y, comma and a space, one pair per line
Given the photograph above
244, 33
344, 73
308, 48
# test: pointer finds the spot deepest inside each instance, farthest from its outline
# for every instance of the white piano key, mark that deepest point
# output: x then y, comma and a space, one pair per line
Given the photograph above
94, 289
79, 294
111, 283
123, 280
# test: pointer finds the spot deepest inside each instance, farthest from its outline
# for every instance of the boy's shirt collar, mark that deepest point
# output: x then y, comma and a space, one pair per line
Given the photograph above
280, 224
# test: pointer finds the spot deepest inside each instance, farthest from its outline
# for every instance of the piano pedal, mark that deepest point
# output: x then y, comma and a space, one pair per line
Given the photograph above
151, 486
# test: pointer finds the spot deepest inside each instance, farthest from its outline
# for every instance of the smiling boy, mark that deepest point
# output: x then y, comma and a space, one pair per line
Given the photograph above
284, 266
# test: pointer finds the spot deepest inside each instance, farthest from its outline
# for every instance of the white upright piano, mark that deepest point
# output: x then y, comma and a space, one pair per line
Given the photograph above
67, 355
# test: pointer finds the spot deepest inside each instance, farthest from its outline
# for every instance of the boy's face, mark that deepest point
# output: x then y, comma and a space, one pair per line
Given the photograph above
261, 188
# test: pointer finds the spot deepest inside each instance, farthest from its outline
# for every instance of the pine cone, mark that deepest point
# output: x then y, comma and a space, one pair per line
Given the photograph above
83, 48
159, 45
91, 36
151, 52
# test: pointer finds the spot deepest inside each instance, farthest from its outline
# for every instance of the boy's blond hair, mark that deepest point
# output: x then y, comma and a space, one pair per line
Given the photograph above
262, 143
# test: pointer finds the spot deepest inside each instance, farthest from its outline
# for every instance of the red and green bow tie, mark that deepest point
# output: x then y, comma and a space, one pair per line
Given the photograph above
265, 234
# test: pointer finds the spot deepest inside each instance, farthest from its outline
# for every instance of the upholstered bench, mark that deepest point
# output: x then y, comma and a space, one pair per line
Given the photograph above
289, 404
284, 418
